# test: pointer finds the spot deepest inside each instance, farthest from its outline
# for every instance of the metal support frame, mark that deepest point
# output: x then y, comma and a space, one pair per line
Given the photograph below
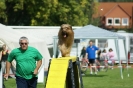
118, 54
126, 57
1, 77
70, 82
80, 76
47, 73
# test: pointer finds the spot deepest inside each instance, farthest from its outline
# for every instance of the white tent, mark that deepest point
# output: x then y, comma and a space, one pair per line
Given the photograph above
11, 39
93, 32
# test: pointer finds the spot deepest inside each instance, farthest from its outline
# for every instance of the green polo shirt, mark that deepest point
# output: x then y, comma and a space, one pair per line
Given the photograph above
25, 61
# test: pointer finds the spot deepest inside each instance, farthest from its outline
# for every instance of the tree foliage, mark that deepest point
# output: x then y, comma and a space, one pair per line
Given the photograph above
47, 12
3, 16
115, 0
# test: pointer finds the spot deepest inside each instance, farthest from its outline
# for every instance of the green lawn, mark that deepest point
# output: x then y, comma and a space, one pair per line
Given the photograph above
109, 79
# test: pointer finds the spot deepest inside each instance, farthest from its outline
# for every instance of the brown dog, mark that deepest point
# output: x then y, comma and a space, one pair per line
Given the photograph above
66, 37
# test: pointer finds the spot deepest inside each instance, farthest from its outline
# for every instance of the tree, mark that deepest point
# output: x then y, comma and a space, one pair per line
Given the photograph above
115, 0
48, 12
3, 16
24, 12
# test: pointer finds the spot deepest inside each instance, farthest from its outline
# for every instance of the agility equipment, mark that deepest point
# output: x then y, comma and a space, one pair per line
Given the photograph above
64, 72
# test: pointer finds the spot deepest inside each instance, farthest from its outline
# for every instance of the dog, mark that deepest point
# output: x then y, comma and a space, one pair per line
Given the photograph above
66, 38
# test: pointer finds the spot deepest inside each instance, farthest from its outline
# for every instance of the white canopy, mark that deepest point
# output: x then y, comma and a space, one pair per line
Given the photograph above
11, 39
93, 32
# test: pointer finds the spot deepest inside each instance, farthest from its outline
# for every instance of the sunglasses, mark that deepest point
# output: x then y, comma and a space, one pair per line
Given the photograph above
23, 43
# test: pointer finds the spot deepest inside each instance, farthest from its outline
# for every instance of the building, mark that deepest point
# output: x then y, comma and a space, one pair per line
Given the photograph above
115, 15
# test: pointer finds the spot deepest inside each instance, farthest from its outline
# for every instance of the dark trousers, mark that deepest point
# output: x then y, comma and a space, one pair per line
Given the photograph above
26, 83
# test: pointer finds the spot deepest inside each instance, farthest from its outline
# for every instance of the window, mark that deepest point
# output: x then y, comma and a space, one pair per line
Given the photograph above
102, 43
124, 21
109, 21
116, 21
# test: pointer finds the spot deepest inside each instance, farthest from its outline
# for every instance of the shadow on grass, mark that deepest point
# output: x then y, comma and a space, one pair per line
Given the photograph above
88, 75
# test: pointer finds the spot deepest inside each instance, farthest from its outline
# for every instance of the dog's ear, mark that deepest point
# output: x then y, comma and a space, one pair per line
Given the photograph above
61, 26
59, 32
70, 27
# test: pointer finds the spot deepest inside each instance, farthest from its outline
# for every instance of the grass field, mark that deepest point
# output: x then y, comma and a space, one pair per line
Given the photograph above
109, 79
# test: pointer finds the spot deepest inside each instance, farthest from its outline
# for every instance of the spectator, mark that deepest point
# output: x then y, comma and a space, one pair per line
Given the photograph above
111, 57
91, 54
4, 56
103, 55
84, 61
98, 59
83, 53
103, 59
26, 67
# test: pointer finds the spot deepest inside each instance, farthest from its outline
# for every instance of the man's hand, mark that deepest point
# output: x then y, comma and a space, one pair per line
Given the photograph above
37, 67
8, 65
35, 72
6, 76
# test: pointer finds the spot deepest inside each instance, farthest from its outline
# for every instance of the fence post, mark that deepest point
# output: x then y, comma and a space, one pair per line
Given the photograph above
1, 78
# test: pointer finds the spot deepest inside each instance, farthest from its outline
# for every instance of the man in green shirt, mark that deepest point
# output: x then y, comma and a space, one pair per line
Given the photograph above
26, 67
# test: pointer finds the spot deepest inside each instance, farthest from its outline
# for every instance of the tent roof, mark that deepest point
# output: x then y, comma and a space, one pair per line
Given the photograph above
91, 31
11, 38
7, 33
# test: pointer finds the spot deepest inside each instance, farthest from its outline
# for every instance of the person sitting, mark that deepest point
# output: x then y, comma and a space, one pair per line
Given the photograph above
111, 56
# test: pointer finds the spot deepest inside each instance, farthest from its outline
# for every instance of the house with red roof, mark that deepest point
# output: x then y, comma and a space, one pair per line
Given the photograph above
115, 15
